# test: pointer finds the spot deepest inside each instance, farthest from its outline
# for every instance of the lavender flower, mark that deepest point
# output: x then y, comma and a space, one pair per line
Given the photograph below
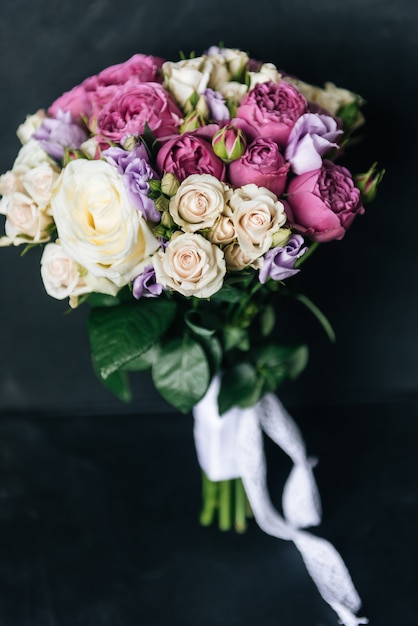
279, 263
145, 285
311, 137
60, 132
218, 110
136, 171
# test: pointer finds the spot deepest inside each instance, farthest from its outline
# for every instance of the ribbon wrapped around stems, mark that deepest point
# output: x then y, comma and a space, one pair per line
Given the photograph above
231, 446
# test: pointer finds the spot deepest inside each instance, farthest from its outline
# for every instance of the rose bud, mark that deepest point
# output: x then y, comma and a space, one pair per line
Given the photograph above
368, 182
229, 143
169, 184
323, 203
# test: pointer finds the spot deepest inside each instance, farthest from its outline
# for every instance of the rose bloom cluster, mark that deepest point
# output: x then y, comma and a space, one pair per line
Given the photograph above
171, 176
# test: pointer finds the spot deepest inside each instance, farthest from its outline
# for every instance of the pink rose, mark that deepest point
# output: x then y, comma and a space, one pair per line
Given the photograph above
79, 101
191, 153
261, 164
323, 203
134, 105
140, 67
270, 110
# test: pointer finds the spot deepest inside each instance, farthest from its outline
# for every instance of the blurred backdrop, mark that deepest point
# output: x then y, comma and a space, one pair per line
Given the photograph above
365, 284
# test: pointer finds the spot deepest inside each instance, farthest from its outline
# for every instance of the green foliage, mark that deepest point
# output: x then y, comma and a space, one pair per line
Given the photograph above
181, 374
120, 334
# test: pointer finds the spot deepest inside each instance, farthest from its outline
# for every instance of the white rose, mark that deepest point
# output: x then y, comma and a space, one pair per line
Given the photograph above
223, 231
61, 275
219, 74
97, 224
198, 202
236, 259
29, 156
90, 147
237, 61
330, 98
190, 265
186, 78
30, 125
267, 72
25, 221
38, 183
234, 92
9, 183
257, 215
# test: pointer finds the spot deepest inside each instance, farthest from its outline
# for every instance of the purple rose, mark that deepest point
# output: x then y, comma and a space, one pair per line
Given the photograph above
136, 171
218, 111
191, 153
270, 110
311, 137
279, 263
145, 285
261, 164
322, 204
60, 132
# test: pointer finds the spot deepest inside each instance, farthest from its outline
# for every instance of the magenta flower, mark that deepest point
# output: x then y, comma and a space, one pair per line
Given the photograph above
262, 164
322, 204
270, 110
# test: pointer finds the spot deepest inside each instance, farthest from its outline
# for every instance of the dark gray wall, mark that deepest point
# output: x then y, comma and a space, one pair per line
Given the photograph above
365, 284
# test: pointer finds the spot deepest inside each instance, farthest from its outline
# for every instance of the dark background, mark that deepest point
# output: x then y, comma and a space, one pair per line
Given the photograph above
98, 509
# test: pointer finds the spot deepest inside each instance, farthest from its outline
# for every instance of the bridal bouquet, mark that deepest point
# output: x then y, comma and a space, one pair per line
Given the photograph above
178, 199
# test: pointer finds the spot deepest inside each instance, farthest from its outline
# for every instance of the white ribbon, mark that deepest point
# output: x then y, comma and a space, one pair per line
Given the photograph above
231, 446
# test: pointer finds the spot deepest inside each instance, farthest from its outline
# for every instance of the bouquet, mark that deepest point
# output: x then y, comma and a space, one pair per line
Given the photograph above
178, 200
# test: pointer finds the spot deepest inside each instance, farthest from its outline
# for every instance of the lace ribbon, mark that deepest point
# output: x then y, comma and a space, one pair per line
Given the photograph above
231, 446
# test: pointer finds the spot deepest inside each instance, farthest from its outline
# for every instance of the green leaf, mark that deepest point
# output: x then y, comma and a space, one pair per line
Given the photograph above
118, 335
214, 353
228, 294
145, 361
181, 373
267, 320
240, 386
235, 337
192, 318
275, 363
118, 384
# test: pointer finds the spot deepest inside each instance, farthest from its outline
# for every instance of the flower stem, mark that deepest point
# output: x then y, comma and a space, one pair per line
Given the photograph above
210, 500
225, 505
241, 502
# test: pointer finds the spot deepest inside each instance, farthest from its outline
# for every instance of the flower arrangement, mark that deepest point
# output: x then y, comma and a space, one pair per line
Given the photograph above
178, 199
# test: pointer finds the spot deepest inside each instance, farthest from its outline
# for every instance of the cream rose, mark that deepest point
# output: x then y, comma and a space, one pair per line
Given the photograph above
30, 156
98, 226
186, 78
267, 72
31, 124
38, 183
233, 92
257, 215
236, 259
190, 265
223, 231
61, 275
198, 202
25, 221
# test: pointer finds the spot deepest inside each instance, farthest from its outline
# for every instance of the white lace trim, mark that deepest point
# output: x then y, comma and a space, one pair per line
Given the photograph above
231, 446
